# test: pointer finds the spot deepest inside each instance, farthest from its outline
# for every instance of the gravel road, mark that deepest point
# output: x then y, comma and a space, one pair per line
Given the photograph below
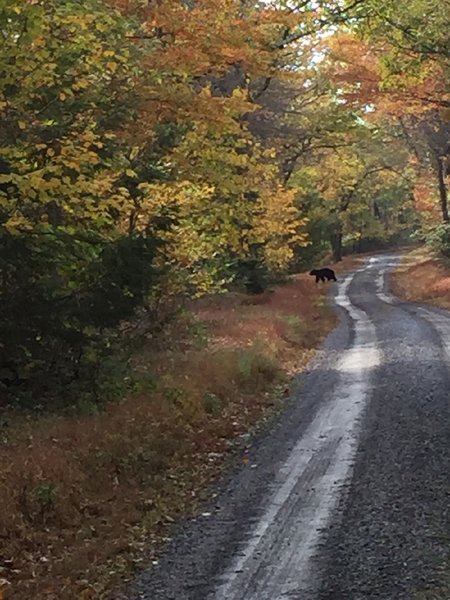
347, 497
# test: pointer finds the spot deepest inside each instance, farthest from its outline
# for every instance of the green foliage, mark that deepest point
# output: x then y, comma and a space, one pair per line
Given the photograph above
438, 237
295, 329
70, 269
45, 494
62, 296
252, 274
137, 169
212, 404
414, 32
317, 230
199, 331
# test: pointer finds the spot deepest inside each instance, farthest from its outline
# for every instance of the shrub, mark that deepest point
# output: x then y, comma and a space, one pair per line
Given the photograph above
256, 367
252, 274
439, 239
212, 404
62, 296
295, 329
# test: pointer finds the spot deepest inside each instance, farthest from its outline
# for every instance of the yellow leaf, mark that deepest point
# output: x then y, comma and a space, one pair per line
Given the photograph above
62, 96
13, 225
112, 66
22, 125
134, 152
50, 152
81, 84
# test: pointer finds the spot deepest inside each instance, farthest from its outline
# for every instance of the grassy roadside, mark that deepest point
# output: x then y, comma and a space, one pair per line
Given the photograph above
422, 277
85, 501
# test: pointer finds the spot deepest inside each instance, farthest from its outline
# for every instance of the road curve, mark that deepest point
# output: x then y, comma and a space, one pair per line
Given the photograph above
347, 497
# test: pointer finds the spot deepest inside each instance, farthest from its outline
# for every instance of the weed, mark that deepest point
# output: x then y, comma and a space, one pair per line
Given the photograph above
174, 395
295, 329
144, 381
256, 367
212, 404
45, 496
86, 407
199, 331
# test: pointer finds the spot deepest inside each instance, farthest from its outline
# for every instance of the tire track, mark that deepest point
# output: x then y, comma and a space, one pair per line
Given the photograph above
438, 318
390, 541
276, 562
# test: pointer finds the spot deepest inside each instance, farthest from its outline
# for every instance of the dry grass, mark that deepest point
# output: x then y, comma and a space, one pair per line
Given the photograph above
423, 277
83, 502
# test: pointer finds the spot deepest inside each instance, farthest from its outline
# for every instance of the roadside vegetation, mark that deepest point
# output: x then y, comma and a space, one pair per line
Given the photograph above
87, 499
423, 276
166, 168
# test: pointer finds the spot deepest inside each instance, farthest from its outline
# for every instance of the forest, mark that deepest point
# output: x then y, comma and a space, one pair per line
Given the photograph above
154, 153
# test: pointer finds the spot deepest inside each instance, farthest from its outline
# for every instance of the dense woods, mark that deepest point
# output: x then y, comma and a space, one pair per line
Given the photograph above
157, 151
155, 155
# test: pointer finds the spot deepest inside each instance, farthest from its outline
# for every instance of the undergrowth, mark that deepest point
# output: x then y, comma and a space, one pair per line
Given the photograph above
423, 276
86, 499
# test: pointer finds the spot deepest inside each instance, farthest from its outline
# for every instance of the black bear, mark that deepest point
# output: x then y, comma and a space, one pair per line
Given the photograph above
322, 274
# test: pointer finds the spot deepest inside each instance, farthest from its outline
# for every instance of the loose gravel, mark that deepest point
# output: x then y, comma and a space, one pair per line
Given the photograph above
389, 537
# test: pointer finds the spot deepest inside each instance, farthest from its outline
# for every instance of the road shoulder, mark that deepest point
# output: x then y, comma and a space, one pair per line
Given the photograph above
422, 276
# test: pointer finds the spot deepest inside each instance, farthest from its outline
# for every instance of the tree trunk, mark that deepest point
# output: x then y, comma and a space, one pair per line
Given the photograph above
443, 190
336, 243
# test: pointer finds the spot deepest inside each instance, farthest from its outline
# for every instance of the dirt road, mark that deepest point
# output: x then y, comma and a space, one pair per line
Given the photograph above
347, 497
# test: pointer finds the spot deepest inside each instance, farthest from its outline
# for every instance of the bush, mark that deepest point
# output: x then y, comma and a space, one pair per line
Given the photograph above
252, 274
256, 368
62, 295
307, 257
295, 329
439, 239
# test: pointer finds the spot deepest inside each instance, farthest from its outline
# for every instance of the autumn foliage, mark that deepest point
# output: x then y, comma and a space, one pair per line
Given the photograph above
158, 151
128, 173
85, 501
164, 158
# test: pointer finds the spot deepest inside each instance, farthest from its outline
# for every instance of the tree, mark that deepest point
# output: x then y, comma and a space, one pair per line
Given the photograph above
128, 170
412, 99
65, 272
429, 137
208, 93
349, 170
